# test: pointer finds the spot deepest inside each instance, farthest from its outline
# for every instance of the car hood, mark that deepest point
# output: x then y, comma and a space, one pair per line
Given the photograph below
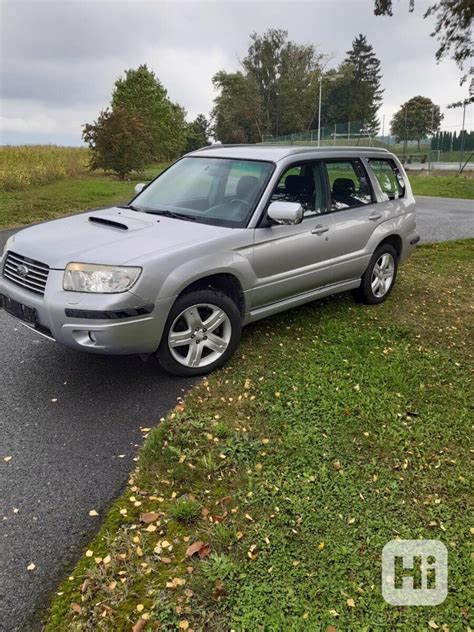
112, 236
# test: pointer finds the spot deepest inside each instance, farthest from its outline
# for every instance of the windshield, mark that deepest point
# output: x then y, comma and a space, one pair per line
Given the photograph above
217, 191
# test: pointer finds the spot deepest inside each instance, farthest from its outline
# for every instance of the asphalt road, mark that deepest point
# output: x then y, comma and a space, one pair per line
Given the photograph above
71, 424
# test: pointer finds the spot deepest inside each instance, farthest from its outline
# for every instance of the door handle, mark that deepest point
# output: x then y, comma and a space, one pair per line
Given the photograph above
375, 216
319, 229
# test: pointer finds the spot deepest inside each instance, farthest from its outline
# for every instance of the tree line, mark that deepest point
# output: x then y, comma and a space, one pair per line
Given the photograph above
276, 91
452, 141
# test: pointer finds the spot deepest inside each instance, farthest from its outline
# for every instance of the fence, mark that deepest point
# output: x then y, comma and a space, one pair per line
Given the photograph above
350, 134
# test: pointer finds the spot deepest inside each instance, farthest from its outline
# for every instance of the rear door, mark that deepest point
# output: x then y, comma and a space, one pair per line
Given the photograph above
293, 259
355, 215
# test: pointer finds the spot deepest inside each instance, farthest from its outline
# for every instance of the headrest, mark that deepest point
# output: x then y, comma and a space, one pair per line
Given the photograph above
246, 187
298, 184
343, 186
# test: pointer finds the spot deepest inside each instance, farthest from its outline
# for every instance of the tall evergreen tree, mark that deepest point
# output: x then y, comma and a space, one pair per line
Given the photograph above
365, 91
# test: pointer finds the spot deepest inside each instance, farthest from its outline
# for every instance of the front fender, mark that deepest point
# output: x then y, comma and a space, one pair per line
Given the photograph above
232, 263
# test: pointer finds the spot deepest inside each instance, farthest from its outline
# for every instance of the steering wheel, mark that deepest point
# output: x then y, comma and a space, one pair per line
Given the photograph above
237, 200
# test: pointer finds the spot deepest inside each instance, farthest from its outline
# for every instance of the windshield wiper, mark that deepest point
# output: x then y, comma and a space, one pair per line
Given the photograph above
167, 213
131, 207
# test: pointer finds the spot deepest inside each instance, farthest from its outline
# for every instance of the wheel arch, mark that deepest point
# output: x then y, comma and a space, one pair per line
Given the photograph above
224, 282
395, 241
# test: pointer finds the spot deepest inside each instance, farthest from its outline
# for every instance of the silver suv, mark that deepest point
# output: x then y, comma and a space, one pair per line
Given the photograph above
225, 236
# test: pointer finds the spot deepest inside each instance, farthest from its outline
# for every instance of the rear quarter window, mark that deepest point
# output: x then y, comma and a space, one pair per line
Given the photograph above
389, 178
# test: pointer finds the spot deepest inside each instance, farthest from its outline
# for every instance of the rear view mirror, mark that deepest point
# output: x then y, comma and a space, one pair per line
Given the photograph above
285, 212
139, 187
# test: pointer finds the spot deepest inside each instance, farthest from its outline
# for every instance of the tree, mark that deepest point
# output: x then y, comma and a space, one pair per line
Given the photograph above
142, 92
365, 92
286, 75
238, 110
197, 133
416, 119
452, 28
119, 140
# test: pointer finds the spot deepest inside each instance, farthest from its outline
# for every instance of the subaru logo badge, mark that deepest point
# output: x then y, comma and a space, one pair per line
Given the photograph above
22, 270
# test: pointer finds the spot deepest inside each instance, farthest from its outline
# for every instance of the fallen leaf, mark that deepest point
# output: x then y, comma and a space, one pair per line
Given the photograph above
165, 560
321, 546
89, 553
85, 585
7, 458
351, 603
433, 624
183, 624
93, 513
219, 590
331, 628
75, 607
31, 566
140, 607
194, 548
149, 517
139, 625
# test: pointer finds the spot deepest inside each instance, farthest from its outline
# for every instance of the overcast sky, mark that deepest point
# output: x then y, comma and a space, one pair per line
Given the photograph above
59, 59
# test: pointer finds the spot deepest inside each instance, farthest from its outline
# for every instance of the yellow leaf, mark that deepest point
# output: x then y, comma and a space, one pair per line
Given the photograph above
107, 559
321, 546
258, 467
89, 553
93, 513
351, 603
31, 566
433, 624
140, 607
183, 624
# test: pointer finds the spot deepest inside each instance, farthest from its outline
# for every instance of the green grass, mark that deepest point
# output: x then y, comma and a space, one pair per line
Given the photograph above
443, 184
336, 428
67, 195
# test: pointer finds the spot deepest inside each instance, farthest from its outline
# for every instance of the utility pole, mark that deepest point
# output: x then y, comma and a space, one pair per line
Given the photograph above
319, 109
406, 135
429, 152
462, 134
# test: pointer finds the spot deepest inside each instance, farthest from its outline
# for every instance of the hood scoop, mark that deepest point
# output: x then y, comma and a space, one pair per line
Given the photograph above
108, 222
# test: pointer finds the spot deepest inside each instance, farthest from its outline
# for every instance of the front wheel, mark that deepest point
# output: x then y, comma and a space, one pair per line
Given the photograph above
201, 333
379, 278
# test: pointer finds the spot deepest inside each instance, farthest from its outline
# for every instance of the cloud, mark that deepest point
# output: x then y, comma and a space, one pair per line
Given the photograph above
60, 59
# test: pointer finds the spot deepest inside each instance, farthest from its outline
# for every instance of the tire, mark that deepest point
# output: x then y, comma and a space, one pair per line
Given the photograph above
188, 347
382, 268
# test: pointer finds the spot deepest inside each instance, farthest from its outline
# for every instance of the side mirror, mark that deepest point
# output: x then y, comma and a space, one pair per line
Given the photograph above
139, 187
285, 212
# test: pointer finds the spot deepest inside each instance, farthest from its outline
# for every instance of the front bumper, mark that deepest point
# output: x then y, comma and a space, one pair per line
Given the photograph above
130, 324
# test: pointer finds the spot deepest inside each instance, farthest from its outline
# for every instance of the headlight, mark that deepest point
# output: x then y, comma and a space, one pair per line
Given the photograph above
86, 277
8, 244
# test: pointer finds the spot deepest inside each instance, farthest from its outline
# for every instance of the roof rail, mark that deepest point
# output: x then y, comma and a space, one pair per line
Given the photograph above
220, 145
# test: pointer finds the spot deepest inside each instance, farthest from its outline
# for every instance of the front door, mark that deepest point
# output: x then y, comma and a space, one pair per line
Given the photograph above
292, 259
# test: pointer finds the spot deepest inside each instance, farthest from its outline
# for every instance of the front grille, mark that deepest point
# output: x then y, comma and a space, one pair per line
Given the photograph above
26, 272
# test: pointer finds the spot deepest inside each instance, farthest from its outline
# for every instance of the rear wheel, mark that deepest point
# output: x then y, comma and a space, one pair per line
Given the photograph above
379, 278
201, 333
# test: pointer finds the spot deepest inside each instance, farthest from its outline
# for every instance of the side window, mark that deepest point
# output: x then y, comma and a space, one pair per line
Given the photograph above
302, 183
348, 184
389, 178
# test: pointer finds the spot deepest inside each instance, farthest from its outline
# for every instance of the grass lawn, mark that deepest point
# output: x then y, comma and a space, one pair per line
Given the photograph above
443, 184
65, 196
336, 428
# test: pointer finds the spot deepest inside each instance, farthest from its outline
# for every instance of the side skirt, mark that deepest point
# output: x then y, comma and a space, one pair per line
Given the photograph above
300, 299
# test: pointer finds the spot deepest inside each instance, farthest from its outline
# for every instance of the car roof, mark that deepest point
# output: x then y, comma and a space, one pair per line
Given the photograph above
276, 153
